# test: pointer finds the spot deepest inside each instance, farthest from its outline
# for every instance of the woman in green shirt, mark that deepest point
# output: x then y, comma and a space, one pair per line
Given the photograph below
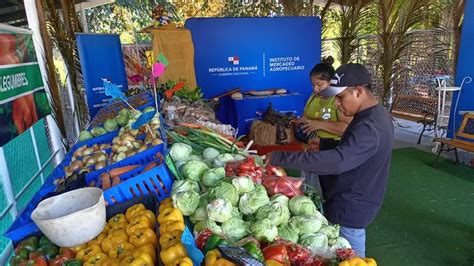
321, 114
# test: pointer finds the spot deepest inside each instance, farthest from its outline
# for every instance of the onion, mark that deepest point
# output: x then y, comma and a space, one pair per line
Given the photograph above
78, 152
131, 153
76, 164
90, 161
85, 158
134, 132
122, 149
127, 137
99, 157
156, 142
100, 165
87, 151
120, 156
115, 147
142, 148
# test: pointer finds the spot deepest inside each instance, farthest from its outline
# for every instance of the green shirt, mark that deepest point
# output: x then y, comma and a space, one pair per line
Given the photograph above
323, 109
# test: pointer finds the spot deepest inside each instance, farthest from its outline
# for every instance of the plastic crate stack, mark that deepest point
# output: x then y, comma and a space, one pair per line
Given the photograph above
135, 183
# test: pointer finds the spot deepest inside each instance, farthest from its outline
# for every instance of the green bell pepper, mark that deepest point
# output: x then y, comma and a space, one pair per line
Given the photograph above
49, 252
18, 261
44, 241
253, 249
212, 242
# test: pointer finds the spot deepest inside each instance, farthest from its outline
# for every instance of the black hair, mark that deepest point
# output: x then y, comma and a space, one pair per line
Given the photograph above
324, 71
328, 60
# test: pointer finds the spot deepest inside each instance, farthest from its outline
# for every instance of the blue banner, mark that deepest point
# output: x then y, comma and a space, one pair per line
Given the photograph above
255, 53
101, 58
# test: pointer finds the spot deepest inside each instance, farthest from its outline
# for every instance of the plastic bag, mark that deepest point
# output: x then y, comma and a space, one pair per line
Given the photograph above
202, 237
297, 253
288, 186
313, 261
246, 167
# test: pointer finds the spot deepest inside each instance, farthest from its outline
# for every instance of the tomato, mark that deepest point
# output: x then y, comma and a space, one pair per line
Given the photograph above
297, 253
277, 253
201, 239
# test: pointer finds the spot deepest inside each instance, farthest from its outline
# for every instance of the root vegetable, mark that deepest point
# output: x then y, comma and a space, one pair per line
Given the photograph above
106, 182
122, 170
76, 164
99, 165
115, 181
156, 142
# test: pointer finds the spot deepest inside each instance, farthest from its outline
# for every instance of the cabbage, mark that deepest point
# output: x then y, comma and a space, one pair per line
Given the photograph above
235, 228
275, 212
98, 131
236, 213
186, 201
125, 112
331, 231
222, 159
194, 157
306, 224
317, 243
340, 242
321, 217
184, 185
212, 176
243, 184
264, 230
288, 232
282, 199
210, 153
180, 152
194, 170
302, 205
219, 210
250, 202
121, 120
85, 135
224, 190
148, 109
110, 125
200, 213
208, 224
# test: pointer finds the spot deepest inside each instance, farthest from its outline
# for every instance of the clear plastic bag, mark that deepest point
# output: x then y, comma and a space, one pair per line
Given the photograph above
246, 167
288, 186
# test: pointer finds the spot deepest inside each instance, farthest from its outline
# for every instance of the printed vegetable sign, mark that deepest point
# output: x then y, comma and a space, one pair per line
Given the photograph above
23, 100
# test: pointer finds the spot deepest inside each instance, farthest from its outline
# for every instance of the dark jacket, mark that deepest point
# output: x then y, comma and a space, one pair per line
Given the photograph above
360, 165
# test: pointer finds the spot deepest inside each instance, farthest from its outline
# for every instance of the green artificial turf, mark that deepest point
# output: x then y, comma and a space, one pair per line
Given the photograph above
427, 217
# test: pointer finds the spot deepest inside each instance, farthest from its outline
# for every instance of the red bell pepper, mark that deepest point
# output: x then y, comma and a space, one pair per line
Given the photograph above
277, 253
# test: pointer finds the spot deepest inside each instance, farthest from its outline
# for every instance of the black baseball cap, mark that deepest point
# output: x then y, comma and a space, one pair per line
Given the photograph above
348, 75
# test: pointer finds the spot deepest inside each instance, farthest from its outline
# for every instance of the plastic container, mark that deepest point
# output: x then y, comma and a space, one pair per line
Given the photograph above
72, 218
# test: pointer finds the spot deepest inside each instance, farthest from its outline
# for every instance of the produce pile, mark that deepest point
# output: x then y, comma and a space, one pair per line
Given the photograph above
233, 199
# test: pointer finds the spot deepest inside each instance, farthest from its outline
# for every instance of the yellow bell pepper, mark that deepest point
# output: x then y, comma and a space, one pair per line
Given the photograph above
95, 259
273, 263
119, 218
114, 238
84, 254
76, 249
370, 262
110, 262
168, 238
170, 214
358, 262
166, 202
118, 250
134, 210
171, 226
163, 207
214, 258
97, 240
137, 258
106, 229
143, 236
150, 250
139, 222
183, 261
168, 255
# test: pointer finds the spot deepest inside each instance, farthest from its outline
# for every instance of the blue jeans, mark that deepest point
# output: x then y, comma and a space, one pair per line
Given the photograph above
356, 238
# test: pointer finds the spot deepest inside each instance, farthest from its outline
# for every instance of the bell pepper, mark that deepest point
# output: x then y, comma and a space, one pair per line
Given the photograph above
84, 254
49, 252
95, 259
358, 262
74, 262
183, 261
254, 250
150, 250
297, 253
110, 262
44, 241
134, 210
106, 229
168, 255
36, 261
138, 258
113, 239
370, 261
29, 244
168, 237
272, 263
18, 261
171, 226
143, 236
97, 240
170, 214
65, 254
166, 202
78, 248
278, 253
213, 241
163, 207
117, 221
118, 250
202, 238
214, 258
139, 221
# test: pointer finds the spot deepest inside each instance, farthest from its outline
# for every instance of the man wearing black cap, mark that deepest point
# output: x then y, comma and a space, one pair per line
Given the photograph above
359, 165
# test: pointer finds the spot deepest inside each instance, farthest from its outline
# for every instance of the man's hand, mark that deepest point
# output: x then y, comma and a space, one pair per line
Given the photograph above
311, 125
313, 145
24, 113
